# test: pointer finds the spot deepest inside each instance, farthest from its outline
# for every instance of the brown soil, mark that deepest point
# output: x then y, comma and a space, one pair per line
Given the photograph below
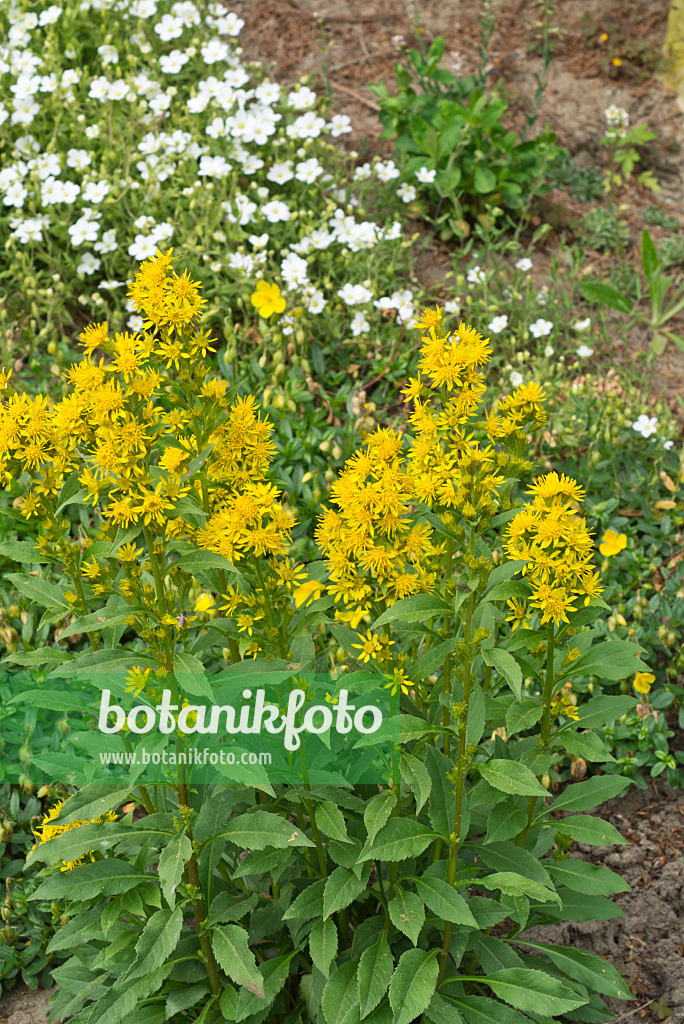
24, 1007
647, 945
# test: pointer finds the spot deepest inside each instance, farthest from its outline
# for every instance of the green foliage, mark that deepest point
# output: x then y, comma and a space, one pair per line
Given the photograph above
654, 215
605, 229
484, 173
585, 183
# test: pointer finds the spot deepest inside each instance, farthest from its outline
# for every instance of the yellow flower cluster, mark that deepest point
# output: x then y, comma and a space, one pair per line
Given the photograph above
48, 830
554, 541
377, 552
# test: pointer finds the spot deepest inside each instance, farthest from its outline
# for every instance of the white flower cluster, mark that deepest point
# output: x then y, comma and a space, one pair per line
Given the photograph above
216, 136
617, 122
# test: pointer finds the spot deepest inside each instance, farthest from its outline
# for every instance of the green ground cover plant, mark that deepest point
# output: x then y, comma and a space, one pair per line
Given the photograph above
460, 588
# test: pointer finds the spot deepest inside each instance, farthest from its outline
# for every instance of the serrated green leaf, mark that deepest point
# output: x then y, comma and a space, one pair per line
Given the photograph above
443, 900
399, 839
258, 830
413, 984
231, 948
308, 904
407, 913
341, 888
157, 942
101, 878
511, 777
323, 945
330, 821
586, 968
513, 884
374, 972
590, 879
377, 812
172, 861
506, 665
582, 796
417, 778
340, 994
505, 821
533, 991
584, 828
418, 608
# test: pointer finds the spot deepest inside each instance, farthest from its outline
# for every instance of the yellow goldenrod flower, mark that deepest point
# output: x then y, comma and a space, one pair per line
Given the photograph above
371, 647
136, 679
612, 543
643, 681
518, 613
429, 318
267, 299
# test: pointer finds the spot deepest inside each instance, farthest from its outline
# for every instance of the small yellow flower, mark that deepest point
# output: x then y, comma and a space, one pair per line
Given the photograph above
643, 681
309, 591
136, 679
70, 596
612, 543
616, 62
604, 37
370, 648
267, 299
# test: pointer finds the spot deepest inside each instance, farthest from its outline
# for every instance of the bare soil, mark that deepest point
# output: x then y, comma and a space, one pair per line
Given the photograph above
24, 1007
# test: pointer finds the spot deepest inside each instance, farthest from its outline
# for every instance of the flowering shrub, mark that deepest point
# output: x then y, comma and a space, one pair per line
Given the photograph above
168, 115
256, 901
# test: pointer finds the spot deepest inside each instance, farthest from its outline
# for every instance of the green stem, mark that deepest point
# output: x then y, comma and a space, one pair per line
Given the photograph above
158, 582
548, 688
446, 630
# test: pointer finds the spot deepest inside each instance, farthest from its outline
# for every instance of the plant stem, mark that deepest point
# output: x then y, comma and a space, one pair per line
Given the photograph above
200, 917
548, 688
447, 628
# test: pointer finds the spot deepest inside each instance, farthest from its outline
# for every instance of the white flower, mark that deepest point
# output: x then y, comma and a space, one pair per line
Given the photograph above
425, 176
301, 98
308, 126
498, 324
267, 92
452, 307
143, 247
187, 12
355, 294
109, 54
616, 117
646, 425
79, 159
135, 323
280, 173
308, 170
548, 351
407, 193
584, 351
118, 90
667, 445
168, 28
476, 276
95, 191
362, 172
294, 270
52, 191
15, 195
50, 15
89, 264
214, 51
229, 24
524, 264
540, 328
359, 325
70, 192
83, 230
143, 8
516, 378
107, 243
338, 125
92, 131
582, 325
275, 211
386, 171
316, 302
171, 63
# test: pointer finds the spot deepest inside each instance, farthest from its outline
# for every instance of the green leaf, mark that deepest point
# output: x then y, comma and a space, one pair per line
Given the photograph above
400, 839
482, 1010
604, 709
432, 659
308, 904
533, 991
330, 821
522, 715
581, 796
100, 878
417, 778
97, 621
603, 295
71, 844
23, 551
230, 945
592, 971
418, 608
39, 591
580, 907
505, 821
443, 900
649, 255
172, 861
441, 1012
589, 879
513, 884
323, 945
377, 812
375, 970
413, 984
506, 665
51, 699
511, 777
583, 828
340, 994
509, 857
42, 656
613, 659
261, 829
341, 888
586, 745
484, 180
157, 942
407, 913
92, 801
275, 973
